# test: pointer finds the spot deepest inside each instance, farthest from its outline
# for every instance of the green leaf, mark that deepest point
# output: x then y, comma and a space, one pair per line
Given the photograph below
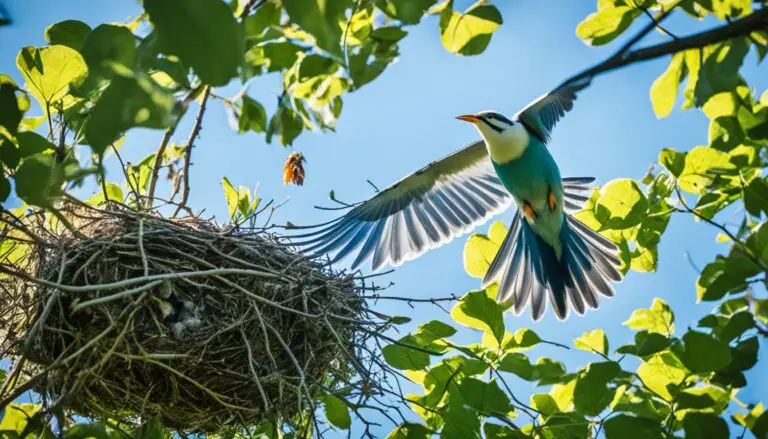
202, 33
11, 112
632, 427
320, 18
736, 325
274, 55
443, 377
544, 403
252, 117
389, 33
524, 338
621, 204
477, 310
594, 341
460, 422
5, 186
132, 100
723, 275
495, 431
721, 104
479, 252
592, 394
750, 418
760, 427
672, 160
518, 364
50, 72
113, 193
703, 353
434, 330
231, 195
658, 318
286, 124
645, 259
31, 143
258, 23
407, 354
469, 33
729, 9
702, 164
337, 413
661, 373
39, 179
93, 430
547, 368
406, 11
610, 20
664, 88
704, 426
485, 397
16, 415
744, 355
566, 426
719, 72
563, 395
725, 133
756, 196
410, 430
647, 343
702, 398
108, 44
70, 33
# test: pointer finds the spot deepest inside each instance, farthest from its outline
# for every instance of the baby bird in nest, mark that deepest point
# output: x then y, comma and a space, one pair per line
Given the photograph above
293, 169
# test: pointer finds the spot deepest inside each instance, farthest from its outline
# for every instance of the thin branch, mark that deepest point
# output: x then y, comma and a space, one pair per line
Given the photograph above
661, 28
159, 162
758, 20
737, 242
188, 150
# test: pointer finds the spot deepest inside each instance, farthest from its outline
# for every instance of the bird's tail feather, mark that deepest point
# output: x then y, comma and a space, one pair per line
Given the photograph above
529, 270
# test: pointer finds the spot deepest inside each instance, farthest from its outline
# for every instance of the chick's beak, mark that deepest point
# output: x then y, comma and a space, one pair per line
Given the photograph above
468, 118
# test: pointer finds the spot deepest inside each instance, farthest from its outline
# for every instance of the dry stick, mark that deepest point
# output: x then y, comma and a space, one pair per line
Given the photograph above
758, 20
144, 262
188, 150
126, 282
120, 295
256, 379
158, 163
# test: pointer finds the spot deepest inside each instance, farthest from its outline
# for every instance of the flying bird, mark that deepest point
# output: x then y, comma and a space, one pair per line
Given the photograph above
546, 252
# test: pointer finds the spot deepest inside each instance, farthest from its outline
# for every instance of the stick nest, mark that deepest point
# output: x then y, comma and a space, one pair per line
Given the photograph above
135, 315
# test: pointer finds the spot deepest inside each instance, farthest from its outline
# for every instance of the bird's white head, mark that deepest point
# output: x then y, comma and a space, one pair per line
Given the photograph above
506, 140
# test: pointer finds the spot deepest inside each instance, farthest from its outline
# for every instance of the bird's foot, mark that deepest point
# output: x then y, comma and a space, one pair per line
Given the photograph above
528, 211
552, 201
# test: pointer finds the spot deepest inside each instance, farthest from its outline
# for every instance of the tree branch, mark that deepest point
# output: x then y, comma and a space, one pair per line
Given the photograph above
758, 20
188, 151
157, 164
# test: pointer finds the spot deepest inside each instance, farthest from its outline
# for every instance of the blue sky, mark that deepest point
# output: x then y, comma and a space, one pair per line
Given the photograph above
405, 119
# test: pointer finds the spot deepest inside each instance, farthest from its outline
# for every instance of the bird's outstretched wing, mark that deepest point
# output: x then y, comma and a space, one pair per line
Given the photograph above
425, 210
542, 114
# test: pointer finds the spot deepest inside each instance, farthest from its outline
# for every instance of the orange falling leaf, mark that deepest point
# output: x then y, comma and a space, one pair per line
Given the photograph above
293, 170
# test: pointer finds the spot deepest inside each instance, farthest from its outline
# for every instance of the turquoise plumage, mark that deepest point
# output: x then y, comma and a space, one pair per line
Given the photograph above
546, 253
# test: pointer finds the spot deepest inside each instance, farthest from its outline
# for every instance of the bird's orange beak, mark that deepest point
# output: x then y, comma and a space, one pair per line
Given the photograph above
468, 118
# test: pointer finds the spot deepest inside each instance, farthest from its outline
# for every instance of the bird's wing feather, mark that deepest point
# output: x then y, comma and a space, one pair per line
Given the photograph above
424, 210
542, 114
